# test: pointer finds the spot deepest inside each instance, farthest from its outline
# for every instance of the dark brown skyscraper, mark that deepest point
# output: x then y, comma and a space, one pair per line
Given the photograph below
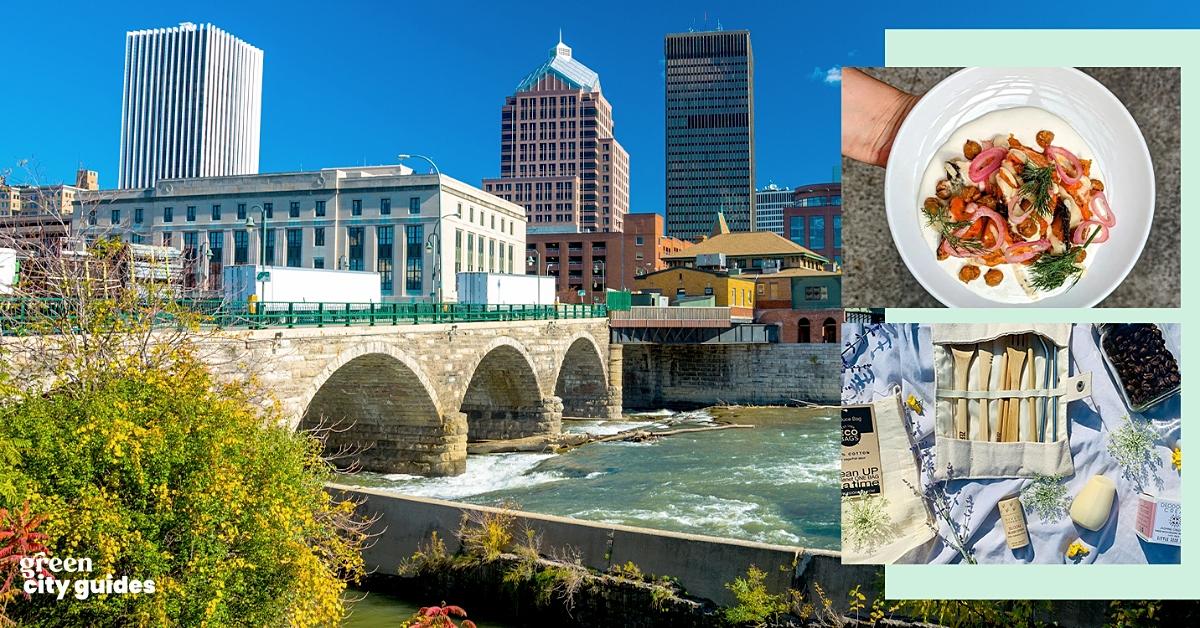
710, 132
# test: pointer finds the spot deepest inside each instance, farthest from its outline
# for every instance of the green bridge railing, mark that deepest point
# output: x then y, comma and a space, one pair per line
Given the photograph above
19, 316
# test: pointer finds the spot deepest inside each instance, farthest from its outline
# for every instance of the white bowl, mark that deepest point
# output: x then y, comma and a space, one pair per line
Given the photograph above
1120, 154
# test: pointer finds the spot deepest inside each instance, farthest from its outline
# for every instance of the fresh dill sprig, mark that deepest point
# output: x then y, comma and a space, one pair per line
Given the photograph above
1036, 183
941, 220
1051, 271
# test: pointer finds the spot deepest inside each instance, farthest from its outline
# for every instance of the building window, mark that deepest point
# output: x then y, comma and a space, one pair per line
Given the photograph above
115, 217
470, 252
216, 212
829, 331
320, 209
415, 236
138, 216
269, 255
216, 248
295, 244
356, 207
319, 236
168, 214
638, 240
294, 209
354, 238
269, 208
91, 217
796, 230
384, 237
167, 240
458, 250
510, 259
500, 264
137, 238
837, 232
241, 247
804, 331
414, 204
816, 293
241, 211
385, 206
191, 213
318, 262
816, 232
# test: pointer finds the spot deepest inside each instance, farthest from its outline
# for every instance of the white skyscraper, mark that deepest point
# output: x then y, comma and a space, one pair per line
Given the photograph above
191, 106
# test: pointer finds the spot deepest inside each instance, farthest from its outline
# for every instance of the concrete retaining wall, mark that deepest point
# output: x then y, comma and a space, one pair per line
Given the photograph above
657, 376
702, 565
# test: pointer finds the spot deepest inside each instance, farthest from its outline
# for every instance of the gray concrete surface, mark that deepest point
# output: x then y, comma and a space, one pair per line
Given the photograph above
702, 564
875, 276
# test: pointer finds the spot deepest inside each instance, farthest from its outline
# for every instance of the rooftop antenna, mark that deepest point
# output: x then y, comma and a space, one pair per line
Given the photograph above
719, 28
560, 36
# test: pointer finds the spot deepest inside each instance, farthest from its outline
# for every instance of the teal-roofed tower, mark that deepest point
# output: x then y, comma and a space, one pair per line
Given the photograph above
558, 155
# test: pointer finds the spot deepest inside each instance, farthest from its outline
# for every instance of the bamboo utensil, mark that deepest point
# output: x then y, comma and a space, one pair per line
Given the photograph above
962, 372
1002, 405
985, 379
1016, 362
1032, 420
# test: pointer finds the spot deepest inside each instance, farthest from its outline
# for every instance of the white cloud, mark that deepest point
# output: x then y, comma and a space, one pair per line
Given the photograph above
830, 76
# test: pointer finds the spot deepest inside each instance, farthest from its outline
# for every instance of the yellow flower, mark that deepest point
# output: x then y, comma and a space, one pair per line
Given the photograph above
1177, 459
915, 404
1077, 551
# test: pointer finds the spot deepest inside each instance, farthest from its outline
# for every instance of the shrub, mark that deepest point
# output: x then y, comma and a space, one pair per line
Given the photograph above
755, 606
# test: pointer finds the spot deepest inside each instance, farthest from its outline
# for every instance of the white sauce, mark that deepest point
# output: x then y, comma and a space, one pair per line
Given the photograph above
1024, 123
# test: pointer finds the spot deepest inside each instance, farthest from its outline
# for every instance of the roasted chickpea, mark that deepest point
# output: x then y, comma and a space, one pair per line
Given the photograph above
968, 273
971, 149
943, 189
1028, 228
993, 277
1097, 185
931, 204
1044, 138
970, 193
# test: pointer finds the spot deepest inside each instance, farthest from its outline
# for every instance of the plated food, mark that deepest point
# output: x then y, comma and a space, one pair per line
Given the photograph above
981, 105
1014, 205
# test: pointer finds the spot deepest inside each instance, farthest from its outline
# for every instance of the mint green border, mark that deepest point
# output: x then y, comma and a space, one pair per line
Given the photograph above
1114, 48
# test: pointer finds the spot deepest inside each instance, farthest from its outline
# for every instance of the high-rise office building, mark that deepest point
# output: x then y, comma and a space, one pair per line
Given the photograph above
769, 205
191, 106
710, 132
558, 156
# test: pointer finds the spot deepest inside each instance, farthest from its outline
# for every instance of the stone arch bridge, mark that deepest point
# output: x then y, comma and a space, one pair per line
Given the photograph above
408, 398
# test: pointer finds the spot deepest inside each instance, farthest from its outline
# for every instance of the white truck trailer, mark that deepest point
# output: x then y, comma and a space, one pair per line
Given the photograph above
8, 270
280, 284
504, 289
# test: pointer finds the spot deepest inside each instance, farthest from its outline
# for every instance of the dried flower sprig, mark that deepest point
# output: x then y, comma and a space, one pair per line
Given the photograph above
867, 524
956, 534
1132, 447
1047, 497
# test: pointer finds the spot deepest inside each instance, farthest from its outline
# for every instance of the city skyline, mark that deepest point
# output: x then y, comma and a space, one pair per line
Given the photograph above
382, 125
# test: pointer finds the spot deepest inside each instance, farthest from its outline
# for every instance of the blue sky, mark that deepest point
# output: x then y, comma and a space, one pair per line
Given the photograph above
360, 82
365, 81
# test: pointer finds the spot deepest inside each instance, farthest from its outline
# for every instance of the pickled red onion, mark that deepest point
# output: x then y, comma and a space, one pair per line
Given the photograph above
1101, 211
985, 163
997, 220
1081, 233
1054, 152
1034, 248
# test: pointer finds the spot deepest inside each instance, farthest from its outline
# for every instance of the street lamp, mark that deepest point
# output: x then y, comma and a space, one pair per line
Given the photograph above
436, 233
535, 259
261, 273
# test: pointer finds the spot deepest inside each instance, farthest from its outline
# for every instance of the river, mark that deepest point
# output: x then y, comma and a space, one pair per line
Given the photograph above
774, 483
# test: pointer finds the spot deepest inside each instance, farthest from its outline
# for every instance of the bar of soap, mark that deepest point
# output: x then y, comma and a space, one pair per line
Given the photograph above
1094, 503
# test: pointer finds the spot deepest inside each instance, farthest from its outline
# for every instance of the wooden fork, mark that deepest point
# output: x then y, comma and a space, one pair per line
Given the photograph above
1016, 362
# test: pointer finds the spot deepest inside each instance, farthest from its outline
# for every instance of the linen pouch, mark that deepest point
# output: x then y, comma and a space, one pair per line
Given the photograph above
883, 519
1014, 424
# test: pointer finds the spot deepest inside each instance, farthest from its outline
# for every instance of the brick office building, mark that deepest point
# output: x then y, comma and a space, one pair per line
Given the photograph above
815, 219
598, 261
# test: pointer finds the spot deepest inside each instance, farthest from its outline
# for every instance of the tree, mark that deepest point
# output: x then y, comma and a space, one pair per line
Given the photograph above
113, 429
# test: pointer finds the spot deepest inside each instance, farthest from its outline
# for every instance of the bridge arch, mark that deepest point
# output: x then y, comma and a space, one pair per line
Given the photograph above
504, 398
581, 381
381, 413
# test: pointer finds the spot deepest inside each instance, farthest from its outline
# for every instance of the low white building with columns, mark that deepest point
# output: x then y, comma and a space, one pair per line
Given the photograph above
416, 230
